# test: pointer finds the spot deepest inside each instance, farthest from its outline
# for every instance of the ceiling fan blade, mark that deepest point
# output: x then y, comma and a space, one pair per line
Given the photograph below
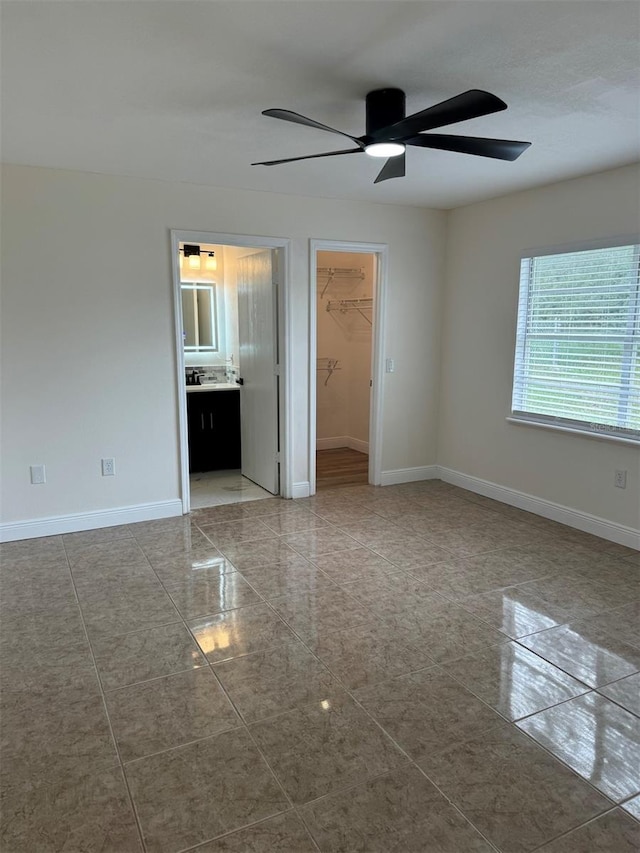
310, 157
296, 118
498, 149
471, 104
393, 168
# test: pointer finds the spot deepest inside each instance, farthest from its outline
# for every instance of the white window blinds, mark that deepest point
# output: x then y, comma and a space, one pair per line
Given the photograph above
577, 359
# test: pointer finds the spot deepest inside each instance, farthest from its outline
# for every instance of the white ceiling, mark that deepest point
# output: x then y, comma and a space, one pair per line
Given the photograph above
174, 90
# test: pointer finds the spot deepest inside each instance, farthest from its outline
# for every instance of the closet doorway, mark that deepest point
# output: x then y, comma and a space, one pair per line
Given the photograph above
347, 286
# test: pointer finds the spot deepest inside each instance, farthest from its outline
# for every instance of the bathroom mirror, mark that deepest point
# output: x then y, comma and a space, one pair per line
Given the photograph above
199, 318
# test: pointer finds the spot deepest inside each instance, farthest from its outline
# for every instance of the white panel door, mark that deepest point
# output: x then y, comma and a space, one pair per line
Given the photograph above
258, 334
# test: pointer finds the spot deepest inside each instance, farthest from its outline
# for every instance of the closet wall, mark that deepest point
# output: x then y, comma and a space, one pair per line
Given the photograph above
344, 350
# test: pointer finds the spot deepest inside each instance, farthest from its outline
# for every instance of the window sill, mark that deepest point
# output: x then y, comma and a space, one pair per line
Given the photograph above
583, 433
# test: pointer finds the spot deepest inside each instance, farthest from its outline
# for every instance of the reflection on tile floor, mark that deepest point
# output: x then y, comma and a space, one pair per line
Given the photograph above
411, 667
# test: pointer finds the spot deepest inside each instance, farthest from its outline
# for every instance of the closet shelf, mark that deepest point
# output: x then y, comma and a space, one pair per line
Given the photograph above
344, 305
333, 273
328, 364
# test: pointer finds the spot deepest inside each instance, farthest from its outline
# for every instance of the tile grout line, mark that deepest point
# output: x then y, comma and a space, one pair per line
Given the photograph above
106, 711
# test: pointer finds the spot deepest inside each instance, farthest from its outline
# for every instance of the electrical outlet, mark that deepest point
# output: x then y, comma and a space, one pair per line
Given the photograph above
38, 475
390, 366
620, 480
108, 467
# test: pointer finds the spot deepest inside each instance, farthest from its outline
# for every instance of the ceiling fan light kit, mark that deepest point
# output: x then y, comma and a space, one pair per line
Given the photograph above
389, 130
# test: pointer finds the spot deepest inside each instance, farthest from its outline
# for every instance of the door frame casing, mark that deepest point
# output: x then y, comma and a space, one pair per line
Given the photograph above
284, 320
381, 253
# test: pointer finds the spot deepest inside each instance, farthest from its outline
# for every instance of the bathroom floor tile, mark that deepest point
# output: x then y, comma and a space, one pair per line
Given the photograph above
614, 832
90, 812
585, 652
202, 595
398, 812
275, 680
514, 681
427, 711
167, 712
625, 692
595, 737
512, 790
142, 655
196, 792
324, 746
239, 632
284, 833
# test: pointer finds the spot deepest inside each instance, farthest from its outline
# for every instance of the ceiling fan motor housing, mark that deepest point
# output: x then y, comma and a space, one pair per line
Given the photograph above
384, 107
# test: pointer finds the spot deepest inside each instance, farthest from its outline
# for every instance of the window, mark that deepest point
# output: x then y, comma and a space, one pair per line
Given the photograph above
577, 362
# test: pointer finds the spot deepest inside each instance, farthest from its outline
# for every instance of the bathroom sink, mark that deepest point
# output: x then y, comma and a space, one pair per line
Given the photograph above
213, 386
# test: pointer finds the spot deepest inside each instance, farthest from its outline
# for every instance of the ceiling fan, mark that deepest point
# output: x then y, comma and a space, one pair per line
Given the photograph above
389, 130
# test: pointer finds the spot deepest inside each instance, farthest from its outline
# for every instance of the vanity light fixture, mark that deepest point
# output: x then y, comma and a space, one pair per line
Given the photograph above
193, 254
211, 262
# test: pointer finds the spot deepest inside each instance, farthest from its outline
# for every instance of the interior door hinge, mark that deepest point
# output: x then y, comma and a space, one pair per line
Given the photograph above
276, 370
277, 457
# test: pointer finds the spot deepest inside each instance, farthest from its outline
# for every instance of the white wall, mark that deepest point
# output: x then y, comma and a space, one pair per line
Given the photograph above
484, 242
88, 355
343, 402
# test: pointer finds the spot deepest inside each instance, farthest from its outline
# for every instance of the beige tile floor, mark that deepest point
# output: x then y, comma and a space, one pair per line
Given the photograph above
213, 488
409, 668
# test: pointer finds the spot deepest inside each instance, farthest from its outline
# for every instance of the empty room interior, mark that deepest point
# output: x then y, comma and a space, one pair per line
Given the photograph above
320, 426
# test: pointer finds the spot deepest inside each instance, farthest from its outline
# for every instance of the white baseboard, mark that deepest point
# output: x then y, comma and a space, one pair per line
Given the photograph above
300, 490
54, 525
409, 475
342, 441
618, 533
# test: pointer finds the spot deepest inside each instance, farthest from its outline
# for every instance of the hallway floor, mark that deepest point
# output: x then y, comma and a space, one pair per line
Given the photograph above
410, 668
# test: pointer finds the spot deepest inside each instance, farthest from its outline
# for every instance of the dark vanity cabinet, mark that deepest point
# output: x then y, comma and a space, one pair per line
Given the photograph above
214, 430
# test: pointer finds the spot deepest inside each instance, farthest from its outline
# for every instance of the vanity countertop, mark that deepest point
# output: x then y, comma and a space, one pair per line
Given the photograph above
212, 386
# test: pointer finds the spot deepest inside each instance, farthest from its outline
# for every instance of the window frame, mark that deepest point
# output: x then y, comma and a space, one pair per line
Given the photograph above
593, 429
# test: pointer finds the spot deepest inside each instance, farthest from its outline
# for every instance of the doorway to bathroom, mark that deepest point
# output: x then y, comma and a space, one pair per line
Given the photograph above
346, 331
230, 295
